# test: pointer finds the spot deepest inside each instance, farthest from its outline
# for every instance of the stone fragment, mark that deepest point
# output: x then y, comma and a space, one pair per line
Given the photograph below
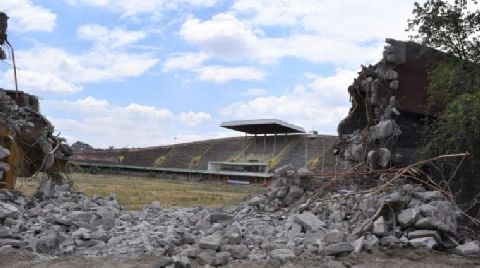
238, 251
234, 238
80, 233
294, 193
207, 257
429, 195
210, 242
4, 166
334, 237
15, 243
309, 221
390, 75
282, 254
337, 216
8, 210
389, 241
181, 262
379, 227
433, 224
423, 242
282, 171
4, 153
221, 258
255, 201
469, 248
48, 244
220, 217
155, 205
338, 249
358, 244
371, 241
408, 217
394, 84
424, 233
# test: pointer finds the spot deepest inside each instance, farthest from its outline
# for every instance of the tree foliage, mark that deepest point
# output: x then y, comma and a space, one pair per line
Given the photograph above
454, 86
451, 27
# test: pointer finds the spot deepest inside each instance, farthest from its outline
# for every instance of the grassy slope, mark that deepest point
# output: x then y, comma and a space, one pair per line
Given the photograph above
135, 192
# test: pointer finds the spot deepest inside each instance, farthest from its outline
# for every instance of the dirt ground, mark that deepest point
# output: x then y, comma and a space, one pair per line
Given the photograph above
392, 259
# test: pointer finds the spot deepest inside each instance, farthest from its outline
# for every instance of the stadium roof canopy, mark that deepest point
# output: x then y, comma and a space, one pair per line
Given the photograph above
263, 126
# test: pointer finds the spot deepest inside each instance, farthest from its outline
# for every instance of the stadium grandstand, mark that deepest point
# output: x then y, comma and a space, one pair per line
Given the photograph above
265, 145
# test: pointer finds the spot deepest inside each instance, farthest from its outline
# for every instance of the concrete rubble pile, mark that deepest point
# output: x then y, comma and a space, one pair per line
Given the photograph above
32, 132
284, 223
388, 105
21, 120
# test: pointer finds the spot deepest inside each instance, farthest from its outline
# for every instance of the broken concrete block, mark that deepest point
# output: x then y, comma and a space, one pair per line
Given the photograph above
181, 262
423, 242
469, 248
220, 217
238, 251
338, 249
309, 221
429, 195
221, 258
210, 242
390, 75
389, 241
334, 237
394, 85
4, 153
358, 244
282, 254
379, 227
408, 217
4, 166
294, 193
424, 233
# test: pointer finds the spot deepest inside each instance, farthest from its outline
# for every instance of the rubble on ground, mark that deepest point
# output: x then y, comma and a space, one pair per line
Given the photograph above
270, 226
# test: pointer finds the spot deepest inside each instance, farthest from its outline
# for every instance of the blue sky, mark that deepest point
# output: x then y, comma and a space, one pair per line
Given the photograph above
139, 73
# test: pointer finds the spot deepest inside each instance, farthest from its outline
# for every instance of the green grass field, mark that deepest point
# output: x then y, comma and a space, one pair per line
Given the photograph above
135, 192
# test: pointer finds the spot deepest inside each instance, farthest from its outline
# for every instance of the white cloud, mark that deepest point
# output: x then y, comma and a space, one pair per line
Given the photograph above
193, 62
102, 124
194, 118
221, 74
128, 8
184, 61
37, 82
223, 36
111, 38
26, 16
44, 68
319, 104
227, 38
349, 20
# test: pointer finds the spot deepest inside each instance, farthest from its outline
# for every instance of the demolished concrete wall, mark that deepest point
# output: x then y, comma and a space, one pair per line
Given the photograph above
388, 105
36, 148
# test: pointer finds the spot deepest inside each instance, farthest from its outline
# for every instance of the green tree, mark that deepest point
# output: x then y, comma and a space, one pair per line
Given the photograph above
454, 86
451, 26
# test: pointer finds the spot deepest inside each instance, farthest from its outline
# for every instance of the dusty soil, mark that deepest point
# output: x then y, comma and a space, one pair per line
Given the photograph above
392, 259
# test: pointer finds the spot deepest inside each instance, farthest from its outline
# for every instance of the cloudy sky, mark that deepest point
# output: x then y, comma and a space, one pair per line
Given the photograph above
141, 73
